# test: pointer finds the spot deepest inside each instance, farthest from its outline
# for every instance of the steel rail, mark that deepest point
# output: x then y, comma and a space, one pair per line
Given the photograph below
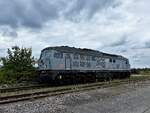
4, 90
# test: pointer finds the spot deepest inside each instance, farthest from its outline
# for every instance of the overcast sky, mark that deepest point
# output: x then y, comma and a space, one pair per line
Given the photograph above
112, 26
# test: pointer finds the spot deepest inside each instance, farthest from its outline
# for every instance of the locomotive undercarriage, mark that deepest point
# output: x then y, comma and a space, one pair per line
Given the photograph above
76, 77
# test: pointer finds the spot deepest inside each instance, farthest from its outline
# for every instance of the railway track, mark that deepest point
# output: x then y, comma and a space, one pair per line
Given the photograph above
4, 90
53, 91
22, 88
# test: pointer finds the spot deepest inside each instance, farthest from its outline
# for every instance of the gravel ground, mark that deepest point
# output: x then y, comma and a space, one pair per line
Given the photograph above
133, 98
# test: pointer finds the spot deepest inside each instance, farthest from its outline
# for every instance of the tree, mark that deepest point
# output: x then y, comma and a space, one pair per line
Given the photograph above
19, 62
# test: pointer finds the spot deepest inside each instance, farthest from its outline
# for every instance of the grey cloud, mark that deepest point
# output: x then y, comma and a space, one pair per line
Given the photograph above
142, 45
119, 42
89, 6
147, 44
28, 13
136, 59
2, 52
34, 13
9, 32
122, 50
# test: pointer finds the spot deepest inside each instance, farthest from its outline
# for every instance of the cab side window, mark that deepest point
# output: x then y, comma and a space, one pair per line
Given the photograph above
76, 64
114, 61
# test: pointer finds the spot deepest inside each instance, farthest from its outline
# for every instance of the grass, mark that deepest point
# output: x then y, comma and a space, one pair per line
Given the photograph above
140, 77
146, 72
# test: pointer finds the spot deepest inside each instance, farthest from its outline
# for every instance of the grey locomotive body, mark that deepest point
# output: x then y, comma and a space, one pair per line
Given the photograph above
68, 63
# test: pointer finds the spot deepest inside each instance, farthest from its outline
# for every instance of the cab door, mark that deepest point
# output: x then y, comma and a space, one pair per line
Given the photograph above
67, 61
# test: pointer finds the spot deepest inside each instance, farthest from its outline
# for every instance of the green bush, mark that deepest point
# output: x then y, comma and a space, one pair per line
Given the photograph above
18, 65
8, 76
145, 72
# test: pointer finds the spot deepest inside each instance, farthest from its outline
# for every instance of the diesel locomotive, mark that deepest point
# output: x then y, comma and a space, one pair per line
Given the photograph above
70, 64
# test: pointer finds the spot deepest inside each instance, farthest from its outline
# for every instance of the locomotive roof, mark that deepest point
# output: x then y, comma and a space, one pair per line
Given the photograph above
81, 51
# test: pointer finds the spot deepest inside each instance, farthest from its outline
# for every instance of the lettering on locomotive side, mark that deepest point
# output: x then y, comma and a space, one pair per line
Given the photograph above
100, 63
76, 64
70, 57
